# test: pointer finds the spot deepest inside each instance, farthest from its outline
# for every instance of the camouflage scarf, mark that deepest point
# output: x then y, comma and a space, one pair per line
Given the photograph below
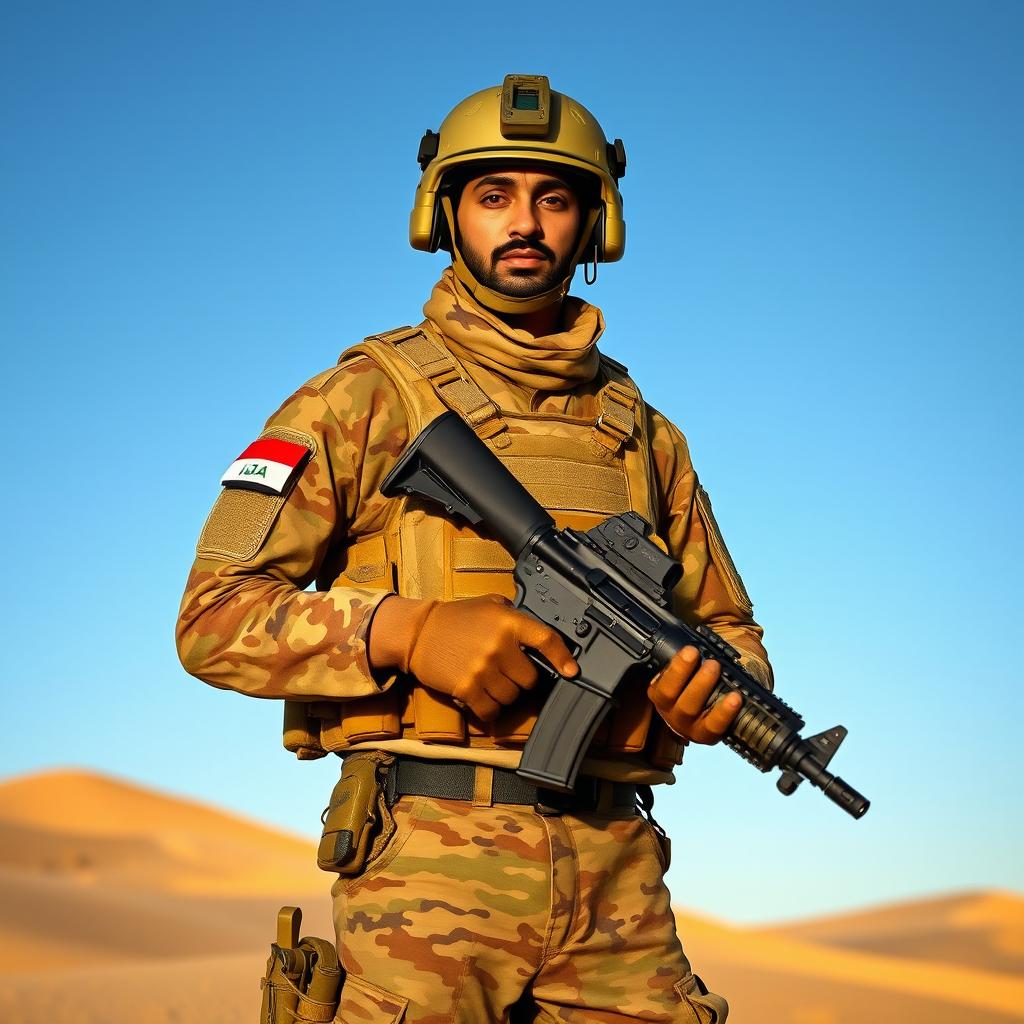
474, 333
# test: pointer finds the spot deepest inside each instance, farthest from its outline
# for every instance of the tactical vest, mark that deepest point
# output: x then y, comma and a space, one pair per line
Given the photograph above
580, 470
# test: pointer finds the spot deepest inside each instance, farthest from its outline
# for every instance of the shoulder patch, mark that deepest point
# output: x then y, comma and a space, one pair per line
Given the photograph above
270, 464
720, 553
245, 511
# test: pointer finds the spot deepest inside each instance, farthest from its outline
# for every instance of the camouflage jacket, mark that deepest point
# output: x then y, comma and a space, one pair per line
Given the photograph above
247, 621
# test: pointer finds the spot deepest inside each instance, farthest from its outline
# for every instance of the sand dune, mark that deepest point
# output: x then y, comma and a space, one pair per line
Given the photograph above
791, 968
216, 990
973, 929
124, 906
96, 829
51, 920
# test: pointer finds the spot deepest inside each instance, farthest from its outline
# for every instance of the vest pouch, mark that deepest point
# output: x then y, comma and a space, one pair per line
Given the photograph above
630, 722
437, 718
302, 731
375, 717
365, 564
666, 748
513, 726
357, 821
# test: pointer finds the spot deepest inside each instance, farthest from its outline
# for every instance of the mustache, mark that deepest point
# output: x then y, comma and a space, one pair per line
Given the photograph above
508, 247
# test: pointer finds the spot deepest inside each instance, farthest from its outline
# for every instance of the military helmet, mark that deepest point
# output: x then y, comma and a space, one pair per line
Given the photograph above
522, 120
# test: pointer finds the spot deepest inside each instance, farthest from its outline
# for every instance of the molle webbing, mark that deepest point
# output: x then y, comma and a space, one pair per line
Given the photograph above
617, 421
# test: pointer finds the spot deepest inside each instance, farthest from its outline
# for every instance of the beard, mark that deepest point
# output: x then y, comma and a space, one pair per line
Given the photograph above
518, 282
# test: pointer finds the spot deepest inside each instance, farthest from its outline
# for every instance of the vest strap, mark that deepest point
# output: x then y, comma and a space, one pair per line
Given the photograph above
617, 420
453, 386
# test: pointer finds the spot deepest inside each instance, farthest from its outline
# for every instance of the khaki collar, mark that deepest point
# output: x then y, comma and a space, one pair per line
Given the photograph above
556, 362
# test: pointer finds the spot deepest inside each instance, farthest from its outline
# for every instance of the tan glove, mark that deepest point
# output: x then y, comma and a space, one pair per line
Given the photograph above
470, 649
680, 692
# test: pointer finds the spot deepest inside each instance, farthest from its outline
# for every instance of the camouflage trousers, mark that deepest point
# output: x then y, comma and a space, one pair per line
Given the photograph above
475, 913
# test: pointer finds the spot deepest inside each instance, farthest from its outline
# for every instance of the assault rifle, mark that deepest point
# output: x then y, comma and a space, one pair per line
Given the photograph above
608, 593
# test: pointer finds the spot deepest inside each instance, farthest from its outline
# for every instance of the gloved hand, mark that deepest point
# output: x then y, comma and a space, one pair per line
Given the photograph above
471, 649
680, 691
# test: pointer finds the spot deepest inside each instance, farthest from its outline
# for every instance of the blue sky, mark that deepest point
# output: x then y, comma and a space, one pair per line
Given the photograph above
203, 204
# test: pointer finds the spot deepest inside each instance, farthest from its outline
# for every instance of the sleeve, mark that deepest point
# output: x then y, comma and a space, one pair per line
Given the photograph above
247, 622
711, 591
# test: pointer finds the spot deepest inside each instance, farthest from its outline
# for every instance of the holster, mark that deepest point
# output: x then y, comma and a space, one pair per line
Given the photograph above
357, 821
303, 977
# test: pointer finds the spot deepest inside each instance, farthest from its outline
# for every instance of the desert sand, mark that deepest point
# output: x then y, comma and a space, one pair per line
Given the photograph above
125, 906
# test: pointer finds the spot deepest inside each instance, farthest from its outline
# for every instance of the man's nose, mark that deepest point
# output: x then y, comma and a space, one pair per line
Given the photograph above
523, 220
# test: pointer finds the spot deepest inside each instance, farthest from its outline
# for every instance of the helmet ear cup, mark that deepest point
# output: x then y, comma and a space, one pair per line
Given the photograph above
440, 237
446, 203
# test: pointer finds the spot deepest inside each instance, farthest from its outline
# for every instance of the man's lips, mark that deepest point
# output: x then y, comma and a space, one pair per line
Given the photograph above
524, 257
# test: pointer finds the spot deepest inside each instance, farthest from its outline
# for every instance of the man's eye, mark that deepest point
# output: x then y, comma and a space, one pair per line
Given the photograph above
555, 202
492, 199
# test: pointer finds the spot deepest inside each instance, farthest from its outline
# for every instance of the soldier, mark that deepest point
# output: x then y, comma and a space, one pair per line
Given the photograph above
463, 891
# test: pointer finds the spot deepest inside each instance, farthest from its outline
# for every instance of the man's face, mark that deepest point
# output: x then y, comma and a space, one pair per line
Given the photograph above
518, 229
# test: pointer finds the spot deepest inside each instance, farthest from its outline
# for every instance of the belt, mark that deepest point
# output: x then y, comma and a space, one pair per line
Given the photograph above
455, 780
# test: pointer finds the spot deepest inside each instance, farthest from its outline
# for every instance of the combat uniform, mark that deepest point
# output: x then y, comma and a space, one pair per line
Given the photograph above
465, 904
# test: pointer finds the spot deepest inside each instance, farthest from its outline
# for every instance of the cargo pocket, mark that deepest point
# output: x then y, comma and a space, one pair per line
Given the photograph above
704, 1007
364, 1003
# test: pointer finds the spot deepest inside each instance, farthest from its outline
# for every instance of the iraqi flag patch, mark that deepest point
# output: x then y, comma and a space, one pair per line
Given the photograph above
268, 465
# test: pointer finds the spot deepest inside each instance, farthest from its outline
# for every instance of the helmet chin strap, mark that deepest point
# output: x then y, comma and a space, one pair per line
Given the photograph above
499, 301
